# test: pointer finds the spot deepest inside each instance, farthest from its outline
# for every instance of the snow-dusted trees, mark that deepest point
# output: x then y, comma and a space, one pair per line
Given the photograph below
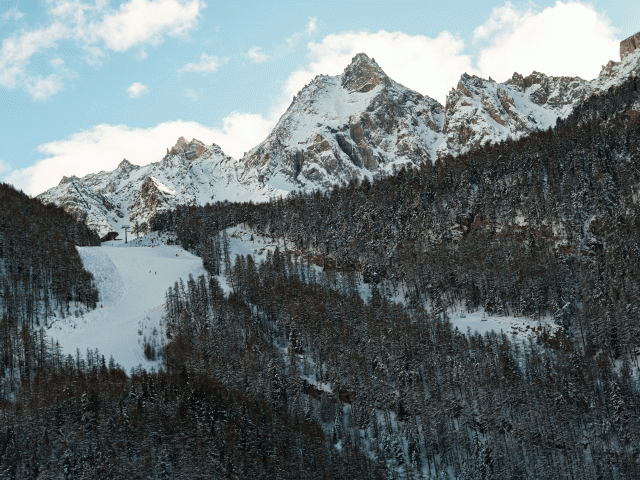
545, 226
41, 275
402, 384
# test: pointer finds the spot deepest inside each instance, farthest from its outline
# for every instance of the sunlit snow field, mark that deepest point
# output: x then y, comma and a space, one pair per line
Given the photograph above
132, 281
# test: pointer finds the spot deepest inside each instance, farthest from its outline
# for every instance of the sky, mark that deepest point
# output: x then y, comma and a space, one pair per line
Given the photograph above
86, 83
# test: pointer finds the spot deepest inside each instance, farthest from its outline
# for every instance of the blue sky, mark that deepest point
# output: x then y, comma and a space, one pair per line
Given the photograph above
85, 83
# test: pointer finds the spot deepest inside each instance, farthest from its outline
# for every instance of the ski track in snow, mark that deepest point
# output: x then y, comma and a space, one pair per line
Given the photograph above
132, 282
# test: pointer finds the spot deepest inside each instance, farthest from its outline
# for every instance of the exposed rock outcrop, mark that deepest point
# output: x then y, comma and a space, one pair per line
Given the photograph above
629, 45
344, 127
133, 194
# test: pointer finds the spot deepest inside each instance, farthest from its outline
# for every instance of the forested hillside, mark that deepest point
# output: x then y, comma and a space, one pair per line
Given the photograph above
41, 277
547, 226
425, 400
83, 417
306, 368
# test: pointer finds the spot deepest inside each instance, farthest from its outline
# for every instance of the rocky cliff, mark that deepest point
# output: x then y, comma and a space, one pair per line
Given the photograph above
629, 45
343, 127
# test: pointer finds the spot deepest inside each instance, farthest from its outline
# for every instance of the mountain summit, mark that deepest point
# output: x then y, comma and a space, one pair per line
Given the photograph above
363, 74
338, 128
343, 127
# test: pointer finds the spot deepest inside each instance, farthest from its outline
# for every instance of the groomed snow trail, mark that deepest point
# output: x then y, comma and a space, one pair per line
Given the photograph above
132, 282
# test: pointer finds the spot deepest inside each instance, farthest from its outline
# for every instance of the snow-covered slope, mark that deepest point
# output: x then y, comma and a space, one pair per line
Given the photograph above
362, 122
132, 282
479, 111
344, 127
336, 129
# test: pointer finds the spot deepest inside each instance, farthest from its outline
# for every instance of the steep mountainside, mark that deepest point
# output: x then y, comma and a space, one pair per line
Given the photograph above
343, 127
356, 124
362, 122
546, 227
190, 173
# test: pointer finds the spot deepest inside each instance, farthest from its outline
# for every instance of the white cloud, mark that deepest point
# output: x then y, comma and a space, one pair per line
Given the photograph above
93, 27
56, 62
256, 54
104, 146
18, 49
566, 39
146, 21
312, 27
208, 64
12, 14
42, 88
501, 19
136, 90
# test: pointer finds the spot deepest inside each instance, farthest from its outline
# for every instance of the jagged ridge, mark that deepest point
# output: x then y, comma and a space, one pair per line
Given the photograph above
360, 123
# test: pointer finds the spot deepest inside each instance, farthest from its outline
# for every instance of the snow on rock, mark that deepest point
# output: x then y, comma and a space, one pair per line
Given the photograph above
614, 73
132, 282
345, 127
480, 111
350, 126
191, 173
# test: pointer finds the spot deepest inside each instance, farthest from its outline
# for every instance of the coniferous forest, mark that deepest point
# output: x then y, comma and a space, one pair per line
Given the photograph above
294, 374
41, 277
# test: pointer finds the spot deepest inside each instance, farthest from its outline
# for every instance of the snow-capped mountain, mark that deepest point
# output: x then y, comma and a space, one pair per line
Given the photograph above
478, 111
344, 127
190, 173
356, 124
362, 122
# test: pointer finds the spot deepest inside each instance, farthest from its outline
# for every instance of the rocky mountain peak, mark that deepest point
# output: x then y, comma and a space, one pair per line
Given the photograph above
629, 45
338, 128
363, 74
66, 179
191, 150
125, 165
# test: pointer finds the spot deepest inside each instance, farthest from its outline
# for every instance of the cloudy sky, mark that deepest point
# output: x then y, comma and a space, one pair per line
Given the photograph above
86, 83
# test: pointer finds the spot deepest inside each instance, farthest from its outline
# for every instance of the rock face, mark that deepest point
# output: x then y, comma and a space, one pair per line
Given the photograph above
478, 111
629, 45
614, 73
360, 123
344, 127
